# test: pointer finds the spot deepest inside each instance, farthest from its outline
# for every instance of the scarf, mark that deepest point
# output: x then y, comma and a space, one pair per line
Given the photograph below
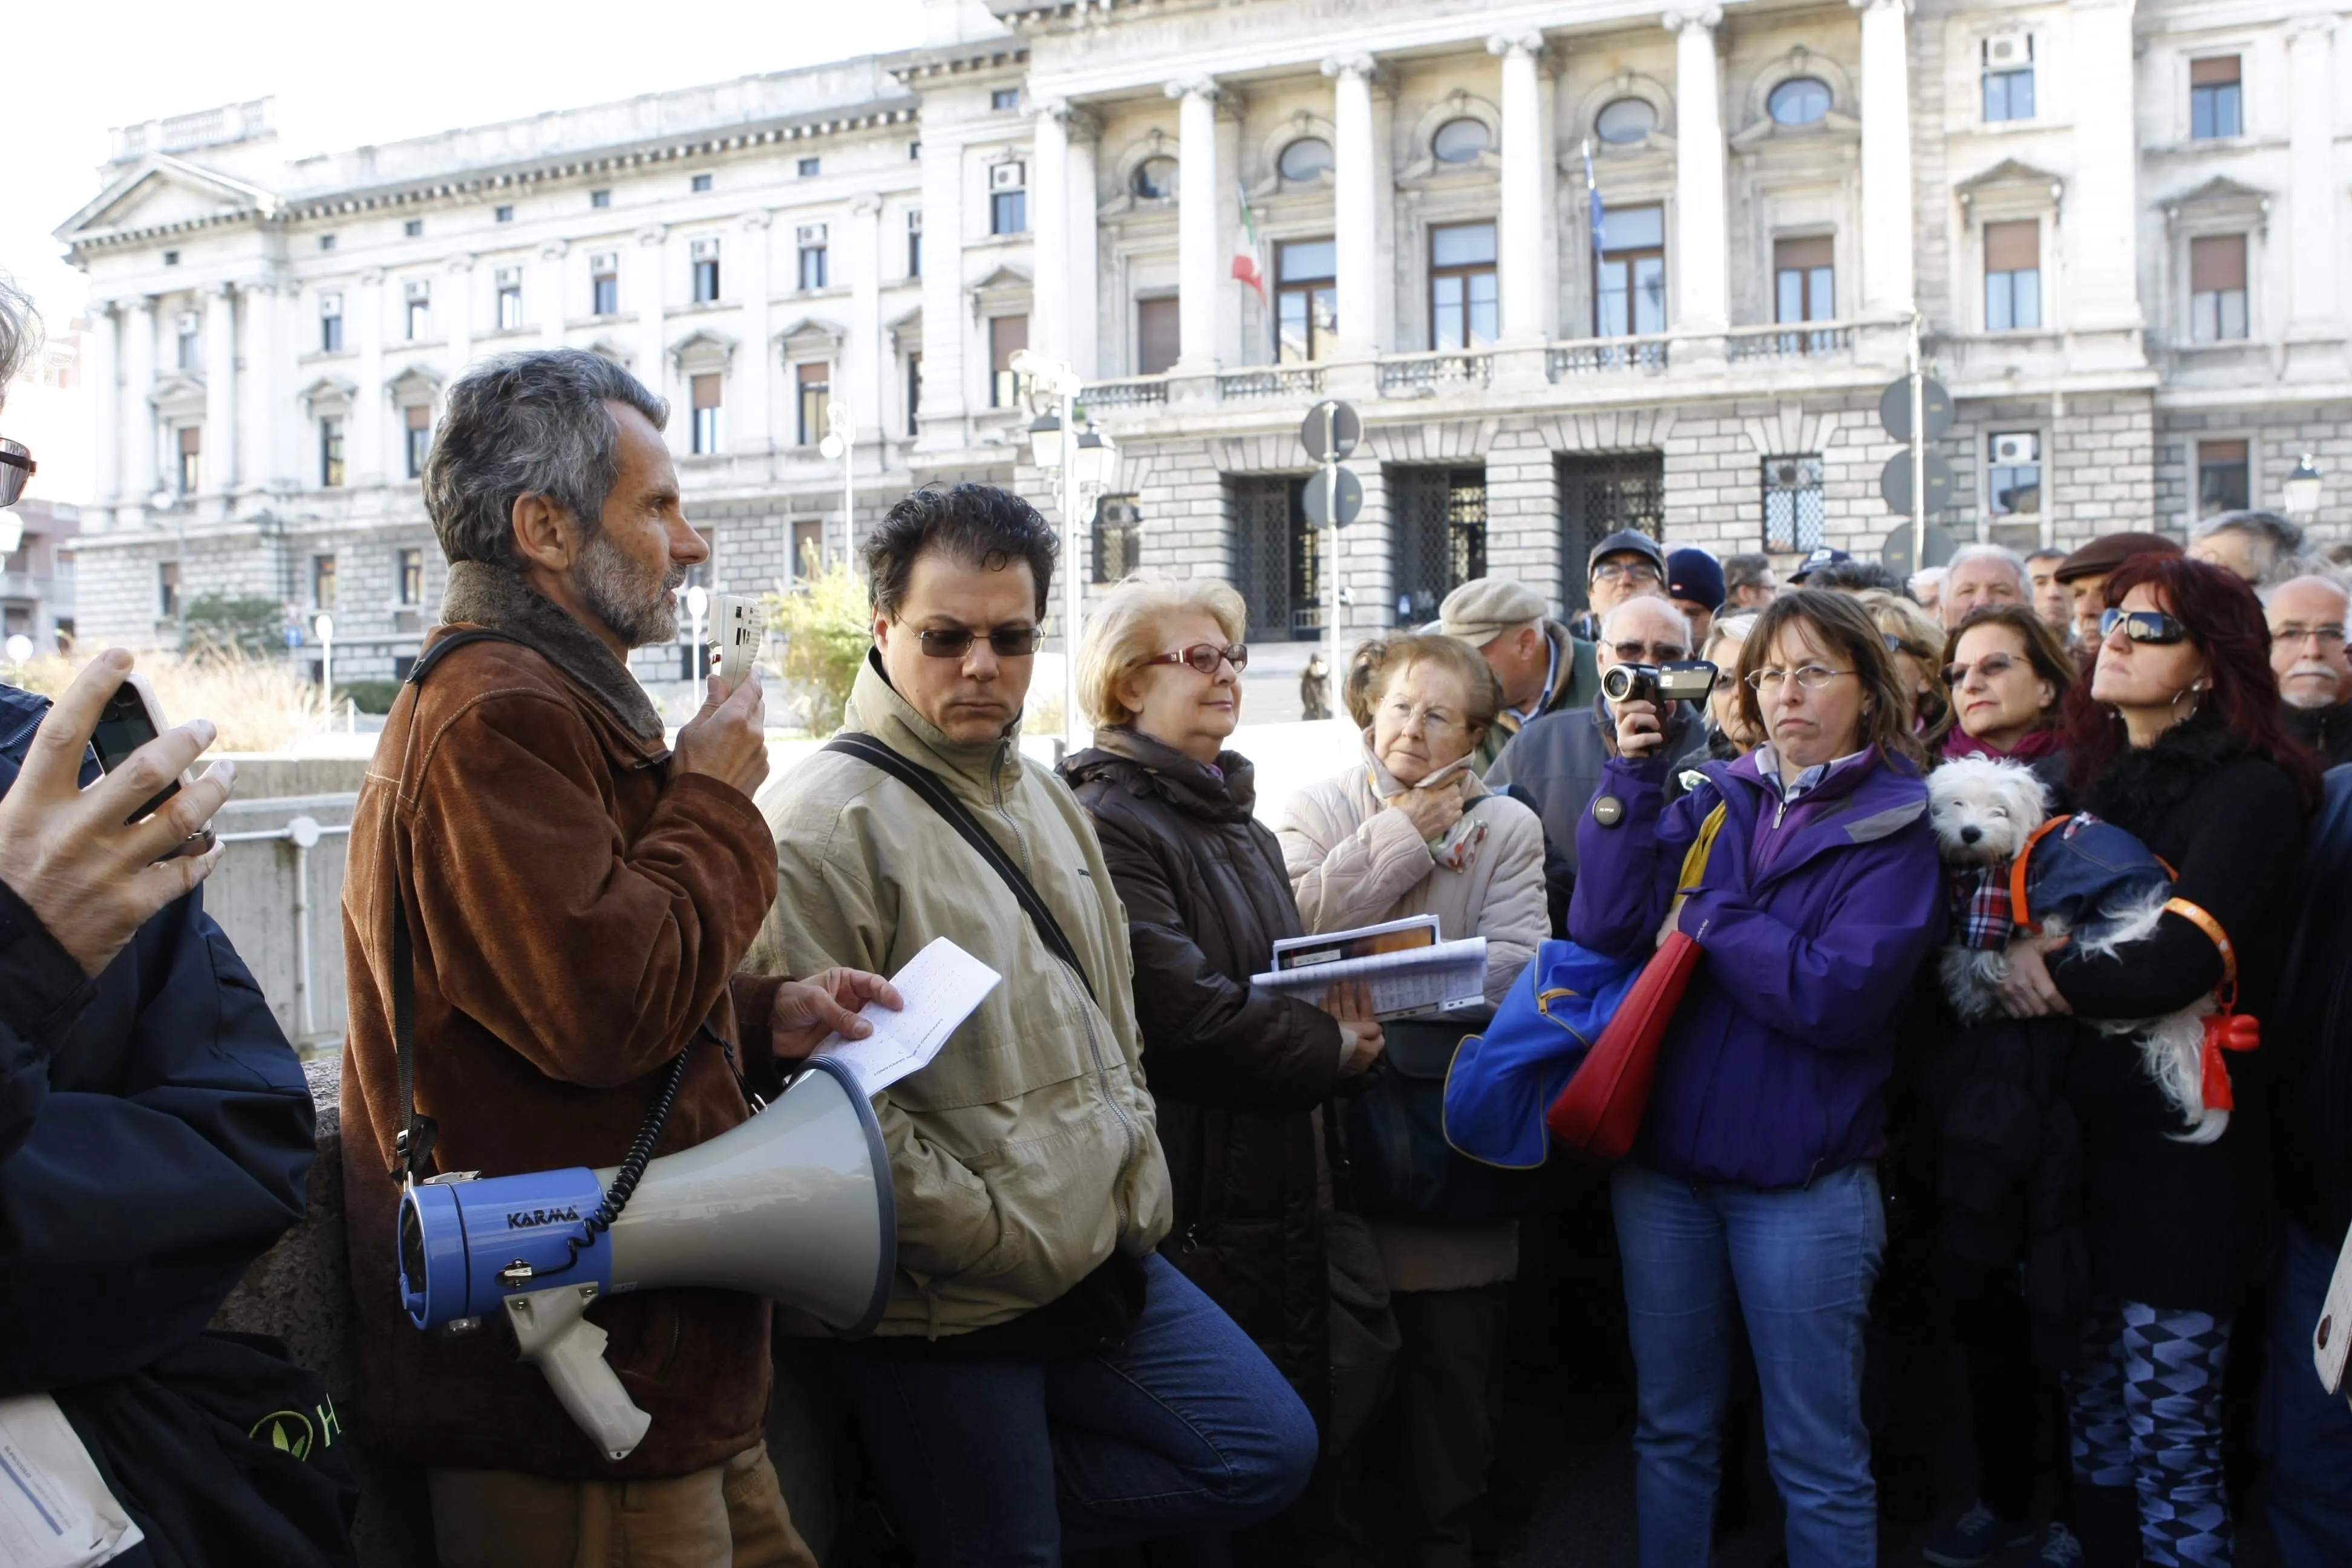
2031, 747
485, 596
1982, 916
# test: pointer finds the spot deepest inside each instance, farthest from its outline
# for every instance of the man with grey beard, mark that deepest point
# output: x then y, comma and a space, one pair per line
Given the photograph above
2307, 617
569, 900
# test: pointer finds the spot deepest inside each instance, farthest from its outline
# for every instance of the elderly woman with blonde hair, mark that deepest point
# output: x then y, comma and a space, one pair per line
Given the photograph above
1409, 829
1237, 1072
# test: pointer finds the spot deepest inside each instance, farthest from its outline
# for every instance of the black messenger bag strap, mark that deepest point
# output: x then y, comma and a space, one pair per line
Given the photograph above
940, 798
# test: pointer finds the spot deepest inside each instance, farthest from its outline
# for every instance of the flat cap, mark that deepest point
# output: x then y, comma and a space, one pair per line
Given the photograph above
1484, 608
1625, 541
2109, 550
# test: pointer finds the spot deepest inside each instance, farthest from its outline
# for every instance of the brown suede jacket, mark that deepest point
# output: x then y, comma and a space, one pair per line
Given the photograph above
577, 909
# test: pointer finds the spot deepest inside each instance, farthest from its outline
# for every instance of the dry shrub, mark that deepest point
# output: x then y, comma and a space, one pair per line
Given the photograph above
256, 704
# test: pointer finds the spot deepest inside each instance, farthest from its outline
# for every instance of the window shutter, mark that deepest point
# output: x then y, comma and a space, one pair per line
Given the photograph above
813, 374
1157, 332
705, 391
2216, 72
420, 417
2012, 246
1007, 335
2217, 262
1817, 250
2212, 452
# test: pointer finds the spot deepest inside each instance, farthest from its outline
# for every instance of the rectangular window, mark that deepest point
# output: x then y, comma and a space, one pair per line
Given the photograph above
2013, 473
599, 198
706, 415
1305, 299
815, 383
915, 243
326, 242
1805, 279
322, 582
502, 214
1118, 538
418, 435
192, 459
419, 297
330, 453
1793, 502
1008, 212
413, 228
2221, 478
706, 271
1158, 335
2215, 109
813, 266
2013, 253
1631, 293
808, 547
1461, 298
1004, 98
510, 281
808, 168
408, 574
914, 151
914, 390
1007, 335
330, 323
1437, 535
167, 588
701, 182
2217, 288
2009, 77
191, 341
605, 284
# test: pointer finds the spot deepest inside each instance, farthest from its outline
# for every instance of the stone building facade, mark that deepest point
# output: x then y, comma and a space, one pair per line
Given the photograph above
1579, 265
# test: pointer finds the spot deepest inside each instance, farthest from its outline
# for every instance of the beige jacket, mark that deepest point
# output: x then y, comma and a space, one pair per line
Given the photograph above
1029, 1147
1354, 862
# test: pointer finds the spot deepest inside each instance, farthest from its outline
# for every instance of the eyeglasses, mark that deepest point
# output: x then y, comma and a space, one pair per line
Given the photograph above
1204, 656
1433, 721
17, 467
1651, 652
2144, 625
1004, 642
1812, 677
1725, 681
1992, 667
2328, 635
1635, 572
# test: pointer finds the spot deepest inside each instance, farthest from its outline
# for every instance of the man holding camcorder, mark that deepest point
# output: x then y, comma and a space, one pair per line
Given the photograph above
569, 901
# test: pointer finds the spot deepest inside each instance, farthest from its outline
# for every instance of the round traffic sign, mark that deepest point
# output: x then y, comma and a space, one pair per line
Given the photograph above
1895, 407
1895, 482
1331, 430
1894, 554
1318, 497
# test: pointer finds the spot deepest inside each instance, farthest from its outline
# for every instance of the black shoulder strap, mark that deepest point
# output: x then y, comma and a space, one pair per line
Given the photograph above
412, 1147
940, 798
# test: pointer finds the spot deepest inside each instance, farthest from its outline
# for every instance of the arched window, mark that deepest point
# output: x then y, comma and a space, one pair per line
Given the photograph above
1305, 158
1800, 100
1459, 141
1155, 179
1625, 121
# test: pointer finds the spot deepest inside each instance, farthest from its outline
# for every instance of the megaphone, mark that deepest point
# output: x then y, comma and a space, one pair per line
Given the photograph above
795, 1204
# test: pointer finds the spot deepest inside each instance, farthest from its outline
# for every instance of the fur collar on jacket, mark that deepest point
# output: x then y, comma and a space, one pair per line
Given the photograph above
1145, 767
483, 595
2144, 784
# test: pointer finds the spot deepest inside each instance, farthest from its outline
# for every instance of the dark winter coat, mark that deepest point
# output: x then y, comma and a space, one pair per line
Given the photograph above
155, 1134
1236, 1072
2308, 1033
2171, 1224
1559, 756
2327, 730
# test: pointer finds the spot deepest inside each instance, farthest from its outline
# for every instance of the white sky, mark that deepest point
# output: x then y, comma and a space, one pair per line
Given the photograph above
348, 75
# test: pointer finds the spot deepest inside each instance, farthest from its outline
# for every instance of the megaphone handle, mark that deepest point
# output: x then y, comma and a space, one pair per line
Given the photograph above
568, 1351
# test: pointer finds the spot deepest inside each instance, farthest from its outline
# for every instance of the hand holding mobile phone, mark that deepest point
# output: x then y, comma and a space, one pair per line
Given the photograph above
132, 717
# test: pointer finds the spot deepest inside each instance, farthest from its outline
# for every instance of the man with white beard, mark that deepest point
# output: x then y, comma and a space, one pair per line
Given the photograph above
2307, 617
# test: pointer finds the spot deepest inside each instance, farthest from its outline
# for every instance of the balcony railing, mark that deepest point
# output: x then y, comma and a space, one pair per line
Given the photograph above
1601, 354
1129, 392
1280, 381
1413, 374
1786, 342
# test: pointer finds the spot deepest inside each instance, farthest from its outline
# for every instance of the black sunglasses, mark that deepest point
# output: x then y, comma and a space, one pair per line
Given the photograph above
1655, 652
17, 467
1203, 657
1004, 642
2144, 625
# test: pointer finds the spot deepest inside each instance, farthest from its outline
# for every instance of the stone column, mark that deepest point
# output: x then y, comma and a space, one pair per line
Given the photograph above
543, 291
1886, 284
947, 326
139, 435
364, 317
106, 402
257, 458
220, 388
1522, 236
748, 419
1086, 281
2100, 218
1049, 231
457, 313
1355, 184
2311, 70
1698, 258
1199, 258
651, 289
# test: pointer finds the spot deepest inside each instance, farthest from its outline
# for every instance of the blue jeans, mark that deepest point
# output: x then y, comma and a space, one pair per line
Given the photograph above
2306, 1432
1798, 1263
996, 1463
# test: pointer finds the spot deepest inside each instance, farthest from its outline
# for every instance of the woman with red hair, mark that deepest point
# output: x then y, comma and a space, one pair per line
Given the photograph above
2177, 737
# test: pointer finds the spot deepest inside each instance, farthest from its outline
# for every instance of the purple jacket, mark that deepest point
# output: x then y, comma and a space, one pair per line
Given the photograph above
1773, 1070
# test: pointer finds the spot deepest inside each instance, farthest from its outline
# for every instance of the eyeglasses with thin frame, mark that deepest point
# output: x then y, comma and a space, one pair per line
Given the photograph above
1650, 652
1433, 720
1640, 571
1812, 677
1992, 667
2329, 635
1004, 642
1204, 656
2144, 625
17, 467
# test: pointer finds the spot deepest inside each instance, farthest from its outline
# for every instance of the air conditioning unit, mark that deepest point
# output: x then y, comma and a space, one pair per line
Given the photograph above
605, 262
705, 249
2009, 51
419, 289
2016, 451
331, 304
509, 276
1011, 176
810, 236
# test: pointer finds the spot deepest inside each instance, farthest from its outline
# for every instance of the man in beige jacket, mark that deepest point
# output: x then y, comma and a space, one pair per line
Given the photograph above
1042, 1381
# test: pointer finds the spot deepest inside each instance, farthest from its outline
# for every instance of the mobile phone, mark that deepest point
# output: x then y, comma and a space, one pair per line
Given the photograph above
738, 627
131, 718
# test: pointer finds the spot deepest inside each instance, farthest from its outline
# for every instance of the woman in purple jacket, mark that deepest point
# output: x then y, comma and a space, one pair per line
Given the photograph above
1752, 1193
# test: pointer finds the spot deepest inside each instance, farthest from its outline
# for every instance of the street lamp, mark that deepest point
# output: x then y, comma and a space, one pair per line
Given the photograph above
325, 626
840, 441
2300, 491
697, 600
1052, 445
169, 501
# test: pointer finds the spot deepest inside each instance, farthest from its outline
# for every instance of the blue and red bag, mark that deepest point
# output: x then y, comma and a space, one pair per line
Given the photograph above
1502, 1082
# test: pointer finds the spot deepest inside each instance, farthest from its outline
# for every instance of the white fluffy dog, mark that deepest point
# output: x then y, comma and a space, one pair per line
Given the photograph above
2090, 882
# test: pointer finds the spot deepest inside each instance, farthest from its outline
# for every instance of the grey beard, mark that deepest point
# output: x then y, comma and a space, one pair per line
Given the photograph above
2304, 695
640, 608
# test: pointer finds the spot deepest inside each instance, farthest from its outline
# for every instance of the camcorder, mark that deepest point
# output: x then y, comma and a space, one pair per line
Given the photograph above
1685, 680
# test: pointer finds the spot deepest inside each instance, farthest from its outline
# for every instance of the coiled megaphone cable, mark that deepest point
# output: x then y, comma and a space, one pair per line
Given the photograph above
633, 1169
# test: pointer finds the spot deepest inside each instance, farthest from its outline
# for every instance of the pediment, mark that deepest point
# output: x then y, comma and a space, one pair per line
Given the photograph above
905, 332
2009, 172
605, 348
2218, 191
329, 392
178, 389
811, 334
1002, 278
1766, 131
702, 348
418, 384
162, 193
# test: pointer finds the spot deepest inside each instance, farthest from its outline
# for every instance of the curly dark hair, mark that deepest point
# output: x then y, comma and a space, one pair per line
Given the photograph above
2226, 624
972, 525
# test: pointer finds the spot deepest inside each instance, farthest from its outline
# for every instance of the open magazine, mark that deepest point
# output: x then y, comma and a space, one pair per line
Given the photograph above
1407, 968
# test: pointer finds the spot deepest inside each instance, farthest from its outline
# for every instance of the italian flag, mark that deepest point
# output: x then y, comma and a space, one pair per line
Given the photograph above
1246, 247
